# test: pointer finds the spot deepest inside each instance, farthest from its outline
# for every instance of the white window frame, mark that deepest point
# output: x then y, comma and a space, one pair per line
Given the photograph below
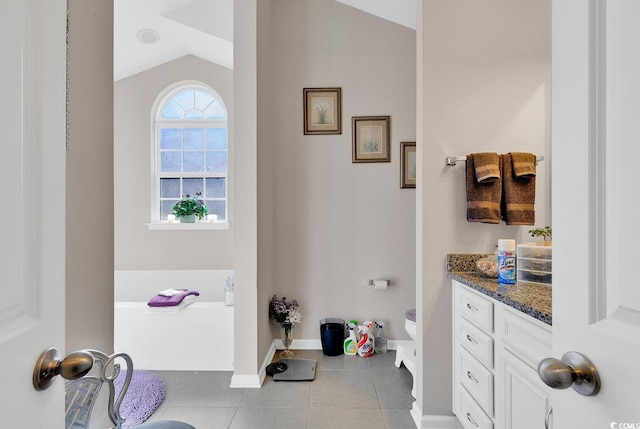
157, 123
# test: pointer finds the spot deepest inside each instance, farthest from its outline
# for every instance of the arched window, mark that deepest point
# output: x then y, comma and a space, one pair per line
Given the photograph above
191, 149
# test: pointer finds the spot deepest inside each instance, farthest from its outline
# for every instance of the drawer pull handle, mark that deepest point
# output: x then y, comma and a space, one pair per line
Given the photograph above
471, 377
547, 418
471, 339
471, 307
473, 422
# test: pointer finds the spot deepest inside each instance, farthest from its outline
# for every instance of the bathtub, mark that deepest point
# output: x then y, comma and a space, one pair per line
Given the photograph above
198, 337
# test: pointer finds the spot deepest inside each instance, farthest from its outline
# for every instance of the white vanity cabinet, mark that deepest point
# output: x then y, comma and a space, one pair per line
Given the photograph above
496, 350
523, 342
473, 358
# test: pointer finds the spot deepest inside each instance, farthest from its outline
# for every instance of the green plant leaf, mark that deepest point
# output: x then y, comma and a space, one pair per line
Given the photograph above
189, 205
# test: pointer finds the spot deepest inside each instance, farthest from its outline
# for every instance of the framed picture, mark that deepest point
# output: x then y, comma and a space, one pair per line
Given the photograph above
322, 110
407, 164
371, 138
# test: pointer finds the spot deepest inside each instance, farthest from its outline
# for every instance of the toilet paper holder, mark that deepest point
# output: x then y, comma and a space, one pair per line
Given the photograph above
379, 284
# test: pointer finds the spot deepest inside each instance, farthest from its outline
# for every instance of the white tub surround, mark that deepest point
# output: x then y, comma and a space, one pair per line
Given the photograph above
198, 337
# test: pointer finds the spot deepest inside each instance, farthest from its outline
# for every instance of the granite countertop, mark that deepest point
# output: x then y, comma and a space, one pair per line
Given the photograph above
530, 298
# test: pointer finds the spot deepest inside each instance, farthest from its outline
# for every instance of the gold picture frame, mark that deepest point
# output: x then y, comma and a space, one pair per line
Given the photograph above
408, 171
322, 110
371, 139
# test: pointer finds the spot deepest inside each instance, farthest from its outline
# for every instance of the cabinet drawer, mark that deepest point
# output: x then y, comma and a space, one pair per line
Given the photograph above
478, 381
475, 308
538, 277
475, 341
472, 416
533, 264
533, 251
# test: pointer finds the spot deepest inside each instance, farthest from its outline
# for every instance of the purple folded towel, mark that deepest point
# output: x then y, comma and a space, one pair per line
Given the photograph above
170, 301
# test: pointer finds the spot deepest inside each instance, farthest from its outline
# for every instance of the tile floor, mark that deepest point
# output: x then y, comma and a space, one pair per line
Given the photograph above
348, 392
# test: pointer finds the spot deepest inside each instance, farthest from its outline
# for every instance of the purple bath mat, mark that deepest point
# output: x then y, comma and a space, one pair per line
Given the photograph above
146, 393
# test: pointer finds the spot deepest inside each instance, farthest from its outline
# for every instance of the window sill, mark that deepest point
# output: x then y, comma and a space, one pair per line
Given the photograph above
198, 226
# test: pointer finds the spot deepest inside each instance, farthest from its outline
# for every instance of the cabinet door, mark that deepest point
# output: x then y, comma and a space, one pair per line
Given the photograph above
523, 399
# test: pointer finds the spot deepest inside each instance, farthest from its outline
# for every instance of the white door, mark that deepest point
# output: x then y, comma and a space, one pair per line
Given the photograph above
32, 185
596, 206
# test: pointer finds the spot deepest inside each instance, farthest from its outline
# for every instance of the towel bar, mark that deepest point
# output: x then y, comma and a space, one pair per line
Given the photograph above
452, 160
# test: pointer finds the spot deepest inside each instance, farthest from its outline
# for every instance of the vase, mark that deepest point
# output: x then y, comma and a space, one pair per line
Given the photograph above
188, 219
287, 339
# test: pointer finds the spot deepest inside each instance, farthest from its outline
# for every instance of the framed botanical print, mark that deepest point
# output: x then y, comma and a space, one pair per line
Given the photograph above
371, 138
407, 164
322, 110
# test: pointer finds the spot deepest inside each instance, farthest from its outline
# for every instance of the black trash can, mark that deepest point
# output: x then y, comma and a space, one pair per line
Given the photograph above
332, 336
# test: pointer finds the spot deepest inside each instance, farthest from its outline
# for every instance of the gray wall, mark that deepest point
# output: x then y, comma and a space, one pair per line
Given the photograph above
89, 197
310, 224
484, 85
338, 224
137, 247
267, 157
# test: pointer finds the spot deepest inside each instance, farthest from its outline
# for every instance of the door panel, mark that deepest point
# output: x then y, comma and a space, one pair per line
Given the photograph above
32, 112
12, 306
595, 136
622, 151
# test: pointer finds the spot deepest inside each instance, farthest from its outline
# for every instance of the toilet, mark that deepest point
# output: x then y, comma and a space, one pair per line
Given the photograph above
410, 323
406, 350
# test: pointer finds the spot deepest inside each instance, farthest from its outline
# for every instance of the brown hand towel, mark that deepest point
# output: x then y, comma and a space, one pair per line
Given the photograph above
524, 164
518, 195
483, 199
486, 166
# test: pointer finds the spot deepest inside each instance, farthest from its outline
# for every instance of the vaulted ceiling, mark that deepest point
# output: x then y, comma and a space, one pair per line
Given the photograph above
401, 12
203, 28
148, 33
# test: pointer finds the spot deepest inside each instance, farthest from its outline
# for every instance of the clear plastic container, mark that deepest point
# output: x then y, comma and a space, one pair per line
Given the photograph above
535, 264
380, 342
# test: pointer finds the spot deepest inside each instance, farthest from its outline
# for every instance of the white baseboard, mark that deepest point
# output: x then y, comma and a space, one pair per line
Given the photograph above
298, 345
267, 360
302, 344
433, 422
393, 344
245, 381
249, 381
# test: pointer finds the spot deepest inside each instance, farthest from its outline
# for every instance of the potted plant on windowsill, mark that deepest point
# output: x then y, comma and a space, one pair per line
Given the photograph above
190, 207
545, 233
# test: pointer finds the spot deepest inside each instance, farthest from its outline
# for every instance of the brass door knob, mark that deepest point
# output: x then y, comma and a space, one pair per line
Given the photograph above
75, 365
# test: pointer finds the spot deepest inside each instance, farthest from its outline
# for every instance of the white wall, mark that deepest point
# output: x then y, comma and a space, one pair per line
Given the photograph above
245, 227
338, 224
89, 196
137, 247
484, 86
